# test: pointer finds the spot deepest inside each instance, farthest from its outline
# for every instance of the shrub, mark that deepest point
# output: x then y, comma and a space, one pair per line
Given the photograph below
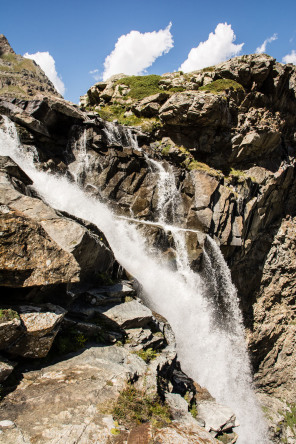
8, 315
147, 355
135, 407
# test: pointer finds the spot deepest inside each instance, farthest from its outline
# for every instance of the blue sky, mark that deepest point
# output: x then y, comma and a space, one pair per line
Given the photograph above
80, 34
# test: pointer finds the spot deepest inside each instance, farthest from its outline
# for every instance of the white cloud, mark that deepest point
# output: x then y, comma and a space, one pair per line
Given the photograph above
216, 49
136, 51
96, 75
47, 64
290, 58
261, 49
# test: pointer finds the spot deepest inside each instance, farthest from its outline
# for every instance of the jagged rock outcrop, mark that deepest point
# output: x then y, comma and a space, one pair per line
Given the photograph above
226, 136
21, 77
50, 248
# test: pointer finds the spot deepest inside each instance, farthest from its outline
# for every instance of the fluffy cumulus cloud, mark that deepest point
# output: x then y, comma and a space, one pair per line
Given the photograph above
218, 47
290, 58
136, 51
47, 64
261, 49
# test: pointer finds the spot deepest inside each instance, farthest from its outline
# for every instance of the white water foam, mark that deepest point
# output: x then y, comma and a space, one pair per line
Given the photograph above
212, 354
120, 136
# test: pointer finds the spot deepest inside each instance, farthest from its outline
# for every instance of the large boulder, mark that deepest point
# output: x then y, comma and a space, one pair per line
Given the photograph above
196, 109
41, 247
40, 324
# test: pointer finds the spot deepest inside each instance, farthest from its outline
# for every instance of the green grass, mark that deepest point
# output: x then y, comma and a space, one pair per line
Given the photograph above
8, 315
208, 69
18, 65
240, 175
193, 411
116, 112
11, 89
147, 355
290, 419
221, 85
135, 407
141, 86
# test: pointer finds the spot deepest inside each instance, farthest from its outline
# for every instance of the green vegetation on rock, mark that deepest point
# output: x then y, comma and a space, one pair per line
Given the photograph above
8, 315
289, 420
141, 86
135, 407
147, 355
221, 85
69, 341
17, 64
117, 112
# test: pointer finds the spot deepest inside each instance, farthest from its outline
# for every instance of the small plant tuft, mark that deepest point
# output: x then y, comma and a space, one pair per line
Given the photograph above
135, 407
147, 355
8, 315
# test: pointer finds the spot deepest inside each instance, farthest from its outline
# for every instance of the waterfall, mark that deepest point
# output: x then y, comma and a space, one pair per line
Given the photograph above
82, 162
120, 135
168, 203
212, 353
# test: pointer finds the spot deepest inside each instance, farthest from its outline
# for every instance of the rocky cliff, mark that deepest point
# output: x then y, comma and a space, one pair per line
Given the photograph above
227, 135
21, 77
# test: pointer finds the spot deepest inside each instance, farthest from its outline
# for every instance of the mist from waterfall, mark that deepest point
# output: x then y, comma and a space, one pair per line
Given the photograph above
211, 350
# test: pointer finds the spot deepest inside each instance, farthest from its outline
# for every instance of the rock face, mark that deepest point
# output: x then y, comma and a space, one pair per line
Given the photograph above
20, 77
223, 141
48, 247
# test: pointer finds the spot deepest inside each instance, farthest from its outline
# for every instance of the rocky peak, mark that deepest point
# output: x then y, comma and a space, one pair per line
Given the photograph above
20, 77
5, 47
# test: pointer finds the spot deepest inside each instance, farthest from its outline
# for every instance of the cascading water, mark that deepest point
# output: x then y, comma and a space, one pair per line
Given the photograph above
168, 203
120, 135
82, 159
214, 355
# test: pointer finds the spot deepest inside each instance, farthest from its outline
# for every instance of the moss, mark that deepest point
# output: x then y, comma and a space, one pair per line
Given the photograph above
115, 431
8, 315
135, 407
141, 86
147, 355
128, 299
221, 85
195, 165
165, 150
